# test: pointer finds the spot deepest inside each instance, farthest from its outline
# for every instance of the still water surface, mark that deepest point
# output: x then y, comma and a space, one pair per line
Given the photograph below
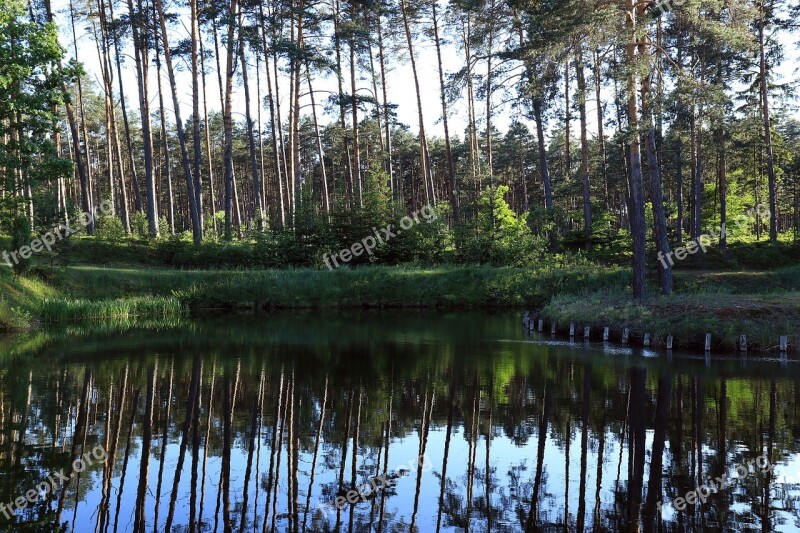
258, 424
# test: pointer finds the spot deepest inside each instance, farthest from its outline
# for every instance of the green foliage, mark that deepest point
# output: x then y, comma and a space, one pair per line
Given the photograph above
110, 229
64, 309
139, 225
13, 318
499, 236
20, 236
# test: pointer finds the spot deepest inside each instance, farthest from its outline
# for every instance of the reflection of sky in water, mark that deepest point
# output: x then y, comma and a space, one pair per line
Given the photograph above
424, 353
504, 456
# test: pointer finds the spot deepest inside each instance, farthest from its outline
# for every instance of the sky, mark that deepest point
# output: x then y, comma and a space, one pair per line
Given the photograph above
400, 82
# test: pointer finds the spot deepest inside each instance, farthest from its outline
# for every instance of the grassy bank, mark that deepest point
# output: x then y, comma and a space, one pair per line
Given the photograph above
361, 287
761, 305
76, 293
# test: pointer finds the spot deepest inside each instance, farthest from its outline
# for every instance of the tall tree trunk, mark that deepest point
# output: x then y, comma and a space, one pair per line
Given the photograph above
349, 176
637, 218
194, 210
297, 65
354, 109
543, 172
601, 140
451, 167
722, 179
167, 168
208, 147
587, 199
474, 149
84, 172
287, 176
276, 160
227, 119
258, 208
197, 153
489, 89
567, 121
386, 114
109, 84
137, 191
765, 115
427, 176
656, 192
108, 108
320, 150
699, 166
141, 56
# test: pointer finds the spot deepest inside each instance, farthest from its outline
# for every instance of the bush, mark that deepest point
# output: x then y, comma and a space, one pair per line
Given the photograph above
20, 236
109, 228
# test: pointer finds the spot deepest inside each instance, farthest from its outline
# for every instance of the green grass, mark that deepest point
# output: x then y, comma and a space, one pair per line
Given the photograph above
118, 309
80, 293
369, 286
762, 305
18, 299
688, 317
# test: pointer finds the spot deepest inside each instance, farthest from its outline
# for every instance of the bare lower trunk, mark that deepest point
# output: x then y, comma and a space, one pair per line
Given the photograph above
354, 108
325, 198
194, 212
227, 120
451, 167
427, 176
656, 189
167, 168
587, 205
543, 172
141, 56
765, 115
601, 141
258, 208
197, 153
637, 218
276, 160
386, 114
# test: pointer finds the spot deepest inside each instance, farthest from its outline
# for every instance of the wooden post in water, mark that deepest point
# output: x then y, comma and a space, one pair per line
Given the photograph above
625, 334
605, 333
708, 342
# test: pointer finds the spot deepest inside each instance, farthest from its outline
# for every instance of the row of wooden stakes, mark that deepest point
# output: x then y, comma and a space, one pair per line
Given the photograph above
538, 324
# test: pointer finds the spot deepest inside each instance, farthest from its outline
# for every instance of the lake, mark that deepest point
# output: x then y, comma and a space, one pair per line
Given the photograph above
385, 422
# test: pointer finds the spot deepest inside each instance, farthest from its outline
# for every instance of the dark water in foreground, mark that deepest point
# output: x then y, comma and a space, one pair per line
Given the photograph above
259, 423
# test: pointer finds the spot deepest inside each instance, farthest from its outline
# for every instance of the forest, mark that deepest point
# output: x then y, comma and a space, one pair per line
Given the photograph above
628, 128
262, 253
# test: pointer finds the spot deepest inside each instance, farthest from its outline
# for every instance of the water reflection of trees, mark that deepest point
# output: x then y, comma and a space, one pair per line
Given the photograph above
257, 440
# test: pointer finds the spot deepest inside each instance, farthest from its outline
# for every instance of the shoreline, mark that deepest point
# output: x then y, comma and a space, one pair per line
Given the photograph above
128, 295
